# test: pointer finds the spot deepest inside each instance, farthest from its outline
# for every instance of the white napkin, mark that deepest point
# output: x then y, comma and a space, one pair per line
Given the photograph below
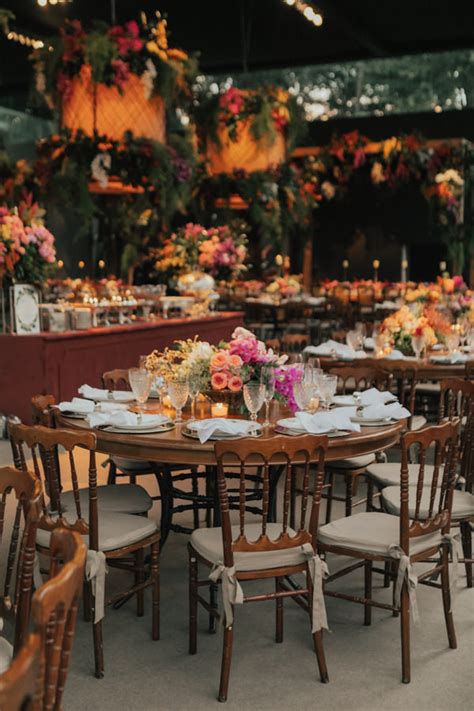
99, 394
330, 347
395, 355
386, 305
124, 418
77, 405
369, 343
206, 428
395, 411
372, 396
111, 406
322, 422
453, 359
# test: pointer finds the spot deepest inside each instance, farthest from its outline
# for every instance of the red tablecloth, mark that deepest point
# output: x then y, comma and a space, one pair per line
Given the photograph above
59, 363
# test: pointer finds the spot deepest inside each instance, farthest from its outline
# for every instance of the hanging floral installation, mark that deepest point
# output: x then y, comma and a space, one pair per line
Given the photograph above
113, 54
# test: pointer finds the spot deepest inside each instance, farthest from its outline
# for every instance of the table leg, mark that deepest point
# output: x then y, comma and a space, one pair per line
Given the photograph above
165, 483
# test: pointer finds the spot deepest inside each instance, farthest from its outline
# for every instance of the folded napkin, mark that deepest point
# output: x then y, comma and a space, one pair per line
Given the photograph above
124, 418
395, 355
322, 422
372, 396
339, 349
111, 406
394, 411
206, 428
453, 359
99, 394
77, 405
369, 343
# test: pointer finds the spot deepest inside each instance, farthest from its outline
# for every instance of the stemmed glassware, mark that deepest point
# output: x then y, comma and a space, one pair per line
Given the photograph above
268, 381
254, 396
327, 389
140, 382
178, 393
452, 342
418, 344
194, 389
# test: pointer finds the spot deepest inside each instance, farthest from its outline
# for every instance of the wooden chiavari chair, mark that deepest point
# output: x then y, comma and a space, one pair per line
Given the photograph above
127, 498
350, 379
36, 677
20, 505
421, 532
121, 538
262, 550
294, 342
116, 379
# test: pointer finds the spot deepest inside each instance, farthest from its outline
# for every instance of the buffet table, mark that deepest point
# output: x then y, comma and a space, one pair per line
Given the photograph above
59, 363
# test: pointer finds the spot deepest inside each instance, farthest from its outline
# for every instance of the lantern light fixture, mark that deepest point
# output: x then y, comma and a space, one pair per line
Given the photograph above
308, 12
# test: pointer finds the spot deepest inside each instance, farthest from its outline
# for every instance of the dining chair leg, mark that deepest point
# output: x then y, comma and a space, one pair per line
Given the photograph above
370, 494
213, 590
466, 536
193, 604
405, 634
279, 614
349, 493
155, 590
388, 565
368, 591
195, 490
98, 649
139, 578
112, 475
448, 614
317, 637
329, 499
226, 662
86, 601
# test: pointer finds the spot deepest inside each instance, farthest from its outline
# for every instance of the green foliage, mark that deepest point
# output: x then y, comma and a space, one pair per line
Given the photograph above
99, 52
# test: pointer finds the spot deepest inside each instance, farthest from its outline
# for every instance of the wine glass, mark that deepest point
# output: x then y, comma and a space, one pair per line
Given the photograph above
327, 388
418, 344
178, 393
305, 394
452, 342
194, 388
268, 381
353, 339
254, 396
140, 382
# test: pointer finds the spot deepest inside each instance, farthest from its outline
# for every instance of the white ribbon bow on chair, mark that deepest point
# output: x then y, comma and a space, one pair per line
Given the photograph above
318, 570
95, 573
405, 573
232, 593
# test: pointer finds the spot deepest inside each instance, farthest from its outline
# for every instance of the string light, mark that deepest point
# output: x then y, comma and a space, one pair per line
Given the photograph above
45, 3
25, 40
308, 12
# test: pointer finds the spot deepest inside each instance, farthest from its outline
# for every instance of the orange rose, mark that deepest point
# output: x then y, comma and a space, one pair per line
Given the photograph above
235, 361
234, 383
219, 381
219, 361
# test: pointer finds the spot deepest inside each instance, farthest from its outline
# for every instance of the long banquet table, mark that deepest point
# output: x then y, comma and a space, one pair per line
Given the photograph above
59, 363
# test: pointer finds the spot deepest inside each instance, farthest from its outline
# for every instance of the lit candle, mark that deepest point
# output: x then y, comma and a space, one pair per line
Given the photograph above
219, 409
443, 266
167, 401
313, 404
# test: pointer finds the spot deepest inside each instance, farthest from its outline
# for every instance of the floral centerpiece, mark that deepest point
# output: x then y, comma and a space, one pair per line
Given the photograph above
407, 322
218, 251
27, 249
221, 370
285, 287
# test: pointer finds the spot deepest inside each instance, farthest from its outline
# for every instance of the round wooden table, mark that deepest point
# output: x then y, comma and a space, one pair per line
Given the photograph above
165, 449
426, 369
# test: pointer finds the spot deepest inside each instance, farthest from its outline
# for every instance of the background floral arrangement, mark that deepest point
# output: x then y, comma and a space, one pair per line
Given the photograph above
220, 251
285, 286
266, 110
424, 321
113, 53
27, 250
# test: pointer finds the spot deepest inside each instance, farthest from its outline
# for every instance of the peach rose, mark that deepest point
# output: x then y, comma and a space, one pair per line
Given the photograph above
219, 361
235, 361
234, 383
219, 381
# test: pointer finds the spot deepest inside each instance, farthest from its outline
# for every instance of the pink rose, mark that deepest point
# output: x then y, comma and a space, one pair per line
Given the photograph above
234, 383
219, 381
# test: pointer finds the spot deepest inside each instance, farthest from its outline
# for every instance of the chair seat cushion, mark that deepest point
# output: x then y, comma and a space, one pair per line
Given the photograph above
371, 532
119, 498
208, 543
463, 502
353, 462
428, 388
134, 465
388, 474
6, 654
115, 530
417, 422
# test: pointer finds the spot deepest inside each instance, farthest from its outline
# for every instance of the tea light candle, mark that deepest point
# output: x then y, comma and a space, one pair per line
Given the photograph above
219, 409
167, 401
313, 404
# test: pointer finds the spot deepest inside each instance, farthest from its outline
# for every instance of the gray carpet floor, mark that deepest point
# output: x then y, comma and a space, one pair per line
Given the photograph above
363, 662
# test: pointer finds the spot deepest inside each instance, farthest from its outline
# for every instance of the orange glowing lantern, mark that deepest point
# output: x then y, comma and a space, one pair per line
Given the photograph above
96, 107
245, 153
